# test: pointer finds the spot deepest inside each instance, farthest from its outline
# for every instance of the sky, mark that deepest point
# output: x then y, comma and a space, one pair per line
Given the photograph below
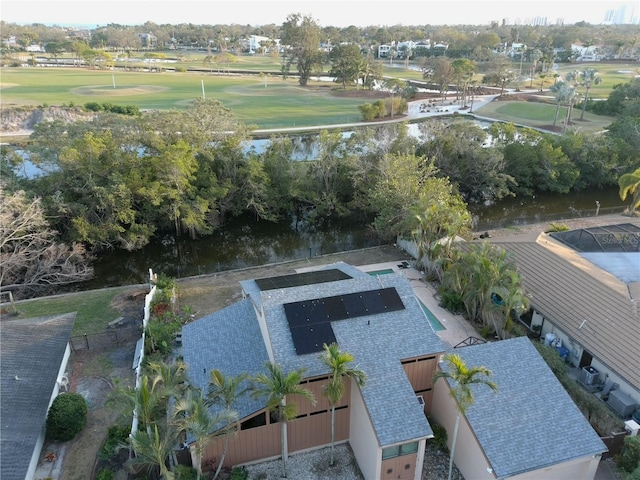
338, 13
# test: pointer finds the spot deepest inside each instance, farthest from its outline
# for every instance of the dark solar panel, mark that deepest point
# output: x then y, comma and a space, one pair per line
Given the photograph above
309, 339
300, 279
309, 320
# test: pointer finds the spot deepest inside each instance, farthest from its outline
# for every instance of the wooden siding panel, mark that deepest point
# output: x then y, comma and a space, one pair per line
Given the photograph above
315, 430
247, 446
420, 373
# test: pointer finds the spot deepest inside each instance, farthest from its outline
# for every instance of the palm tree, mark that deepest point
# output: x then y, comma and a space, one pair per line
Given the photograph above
276, 386
561, 91
337, 363
512, 299
630, 185
588, 77
191, 414
225, 391
152, 449
462, 377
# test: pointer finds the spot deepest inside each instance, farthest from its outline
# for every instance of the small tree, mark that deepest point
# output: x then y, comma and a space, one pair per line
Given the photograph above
337, 363
462, 378
275, 385
67, 416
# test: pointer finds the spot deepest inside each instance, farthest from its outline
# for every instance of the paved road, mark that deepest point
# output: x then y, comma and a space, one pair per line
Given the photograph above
415, 111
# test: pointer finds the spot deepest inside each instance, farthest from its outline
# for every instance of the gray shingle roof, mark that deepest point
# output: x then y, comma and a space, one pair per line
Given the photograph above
230, 341
32, 350
567, 289
531, 422
377, 342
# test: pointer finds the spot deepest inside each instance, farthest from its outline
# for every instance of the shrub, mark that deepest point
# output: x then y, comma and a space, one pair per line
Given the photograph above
452, 301
367, 111
486, 331
239, 474
184, 472
181, 69
557, 227
116, 437
439, 436
67, 416
104, 474
629, 458
93, 106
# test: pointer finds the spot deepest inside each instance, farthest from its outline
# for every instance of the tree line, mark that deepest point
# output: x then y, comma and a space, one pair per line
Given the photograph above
462, 40
117, 180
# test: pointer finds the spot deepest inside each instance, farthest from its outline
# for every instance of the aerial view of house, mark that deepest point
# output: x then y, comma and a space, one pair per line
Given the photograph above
379, 320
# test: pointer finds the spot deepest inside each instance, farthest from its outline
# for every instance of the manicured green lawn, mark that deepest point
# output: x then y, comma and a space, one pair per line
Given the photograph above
611, 75
541, 114
283, 103
93, 308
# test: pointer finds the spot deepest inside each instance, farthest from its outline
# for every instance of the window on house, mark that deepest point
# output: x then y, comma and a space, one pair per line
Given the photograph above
254, 422
390, 452
408, 448
399, 450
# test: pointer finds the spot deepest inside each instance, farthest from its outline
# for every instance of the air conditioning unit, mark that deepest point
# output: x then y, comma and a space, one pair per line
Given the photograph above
631, 427
621, 403
589, 375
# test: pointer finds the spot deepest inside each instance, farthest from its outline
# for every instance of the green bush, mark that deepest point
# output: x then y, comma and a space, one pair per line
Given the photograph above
367, 111
635, 475
629, 458
486, 331
67, 416
439, 436
239, 474
451, 301
184, 472
116, 437
104, 474
557, 227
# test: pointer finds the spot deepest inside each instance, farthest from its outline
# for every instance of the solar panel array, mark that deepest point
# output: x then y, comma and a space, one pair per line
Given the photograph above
310, 320
300, 279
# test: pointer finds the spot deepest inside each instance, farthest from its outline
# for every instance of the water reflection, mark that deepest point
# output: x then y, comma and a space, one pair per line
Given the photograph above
545, 207
242, 243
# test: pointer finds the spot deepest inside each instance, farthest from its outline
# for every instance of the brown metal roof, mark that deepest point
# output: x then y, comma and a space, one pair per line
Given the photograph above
568, 290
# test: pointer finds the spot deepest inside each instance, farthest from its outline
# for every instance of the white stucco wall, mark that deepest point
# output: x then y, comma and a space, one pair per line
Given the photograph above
362, 437
469, 457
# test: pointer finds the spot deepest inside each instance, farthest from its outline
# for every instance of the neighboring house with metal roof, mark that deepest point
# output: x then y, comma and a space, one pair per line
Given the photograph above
529, 429
33, 358
588, 301
384, 422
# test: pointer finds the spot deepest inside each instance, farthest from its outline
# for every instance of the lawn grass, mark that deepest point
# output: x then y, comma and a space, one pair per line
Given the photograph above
93, 308
541, 114
283, 103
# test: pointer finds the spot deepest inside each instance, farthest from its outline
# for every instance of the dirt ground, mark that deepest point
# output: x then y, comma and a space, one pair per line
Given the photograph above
94, 373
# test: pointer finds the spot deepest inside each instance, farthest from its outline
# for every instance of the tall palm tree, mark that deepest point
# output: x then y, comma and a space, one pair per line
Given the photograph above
275, 385
462, 377
588, 77
191, 414
339, 371
225, 391
630, 185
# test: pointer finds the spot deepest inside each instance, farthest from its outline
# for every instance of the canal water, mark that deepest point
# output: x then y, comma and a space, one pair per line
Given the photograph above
244, 242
